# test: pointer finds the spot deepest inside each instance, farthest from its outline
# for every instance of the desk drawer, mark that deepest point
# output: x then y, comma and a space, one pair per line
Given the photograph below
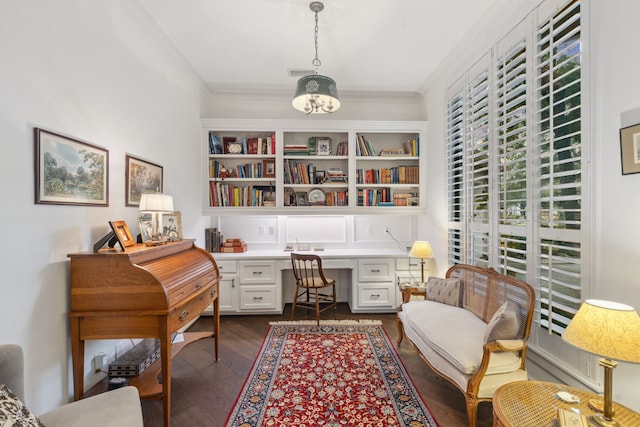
373, 295
184, 313
227, 266
183, 291
376, 270
409, 263
257, 271
262, 297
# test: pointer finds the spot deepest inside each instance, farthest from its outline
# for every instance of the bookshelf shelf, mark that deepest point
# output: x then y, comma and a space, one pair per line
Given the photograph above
362, 166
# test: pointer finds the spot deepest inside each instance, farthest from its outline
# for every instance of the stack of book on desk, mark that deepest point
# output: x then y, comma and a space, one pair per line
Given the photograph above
233, 245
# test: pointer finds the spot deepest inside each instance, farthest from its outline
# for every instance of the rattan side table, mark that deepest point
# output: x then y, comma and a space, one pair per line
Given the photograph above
534, 404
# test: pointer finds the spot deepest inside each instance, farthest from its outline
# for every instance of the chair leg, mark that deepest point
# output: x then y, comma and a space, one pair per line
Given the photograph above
295, 298
317, 308
335, 302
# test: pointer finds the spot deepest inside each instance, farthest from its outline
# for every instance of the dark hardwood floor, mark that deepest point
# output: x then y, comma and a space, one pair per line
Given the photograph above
204, 391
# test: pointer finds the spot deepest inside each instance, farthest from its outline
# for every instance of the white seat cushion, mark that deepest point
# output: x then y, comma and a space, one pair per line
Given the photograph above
456, 334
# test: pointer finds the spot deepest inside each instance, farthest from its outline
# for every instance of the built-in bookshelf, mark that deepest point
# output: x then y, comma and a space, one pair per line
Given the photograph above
241, 169
310, 167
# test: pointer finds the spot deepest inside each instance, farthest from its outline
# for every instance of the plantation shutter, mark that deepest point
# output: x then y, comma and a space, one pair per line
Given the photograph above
559, 169
513, 202
455, 174
477, 168
511, 135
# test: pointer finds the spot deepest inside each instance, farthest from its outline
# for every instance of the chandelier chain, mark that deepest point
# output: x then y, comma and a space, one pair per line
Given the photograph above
316, 62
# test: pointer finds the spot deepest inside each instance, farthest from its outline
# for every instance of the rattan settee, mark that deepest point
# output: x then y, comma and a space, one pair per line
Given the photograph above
462, 341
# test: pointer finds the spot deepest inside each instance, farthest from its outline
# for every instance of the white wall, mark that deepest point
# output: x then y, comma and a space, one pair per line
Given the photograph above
101, 72
614, 92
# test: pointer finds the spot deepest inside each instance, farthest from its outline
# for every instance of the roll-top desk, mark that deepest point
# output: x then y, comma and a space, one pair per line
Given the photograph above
142, 292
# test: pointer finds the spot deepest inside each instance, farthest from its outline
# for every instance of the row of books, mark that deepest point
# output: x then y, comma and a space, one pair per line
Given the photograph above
373, 196
233, 246
409, 148
335, 175
364, 147
296, 150
246, 170
393, 175
214, 242
297, 172
212, 239
412, 147
247, 145
222, 194
342, 149
383, 197
337, 198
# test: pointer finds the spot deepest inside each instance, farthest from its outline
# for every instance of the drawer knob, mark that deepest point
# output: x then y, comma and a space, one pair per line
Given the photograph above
375, 296
375, 271
257, 272
257, 298
183, 315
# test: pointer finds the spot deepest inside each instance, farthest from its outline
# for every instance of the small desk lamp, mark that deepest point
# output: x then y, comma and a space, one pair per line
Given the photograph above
422, 250
611, 330
156, 204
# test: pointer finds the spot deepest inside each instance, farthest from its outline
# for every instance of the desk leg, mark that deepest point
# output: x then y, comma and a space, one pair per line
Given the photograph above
216, 325
77, 359
165, 356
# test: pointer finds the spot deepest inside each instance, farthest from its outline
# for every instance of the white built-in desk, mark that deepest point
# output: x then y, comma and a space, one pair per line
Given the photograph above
260, 281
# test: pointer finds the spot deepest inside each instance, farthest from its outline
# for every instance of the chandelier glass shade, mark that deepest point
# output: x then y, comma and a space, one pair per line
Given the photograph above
316, 94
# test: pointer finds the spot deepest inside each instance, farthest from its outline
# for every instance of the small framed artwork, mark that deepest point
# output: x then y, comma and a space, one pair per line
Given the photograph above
146, 227
323, 146
319, 177
413, 201
123, 234
302, 198
269, 168
141, 176
172, 226
69, 171
630, 149
230, 145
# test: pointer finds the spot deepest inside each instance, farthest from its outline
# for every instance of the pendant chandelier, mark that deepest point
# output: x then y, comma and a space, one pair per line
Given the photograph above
316, 94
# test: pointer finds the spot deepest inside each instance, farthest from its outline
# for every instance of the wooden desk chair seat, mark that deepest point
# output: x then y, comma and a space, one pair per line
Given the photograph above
312, 285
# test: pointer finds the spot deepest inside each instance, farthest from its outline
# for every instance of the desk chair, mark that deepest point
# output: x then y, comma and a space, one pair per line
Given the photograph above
310, 280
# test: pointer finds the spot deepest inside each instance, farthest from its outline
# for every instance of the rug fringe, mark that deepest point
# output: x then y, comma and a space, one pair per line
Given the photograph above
329, 322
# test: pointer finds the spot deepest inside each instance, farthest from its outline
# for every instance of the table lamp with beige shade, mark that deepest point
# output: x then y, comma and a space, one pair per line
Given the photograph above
156, 204
611, 330
421, 249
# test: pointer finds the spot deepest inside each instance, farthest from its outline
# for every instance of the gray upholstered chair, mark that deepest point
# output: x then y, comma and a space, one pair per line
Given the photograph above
120, 407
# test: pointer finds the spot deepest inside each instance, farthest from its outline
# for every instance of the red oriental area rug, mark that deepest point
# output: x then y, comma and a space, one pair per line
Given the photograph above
342, 373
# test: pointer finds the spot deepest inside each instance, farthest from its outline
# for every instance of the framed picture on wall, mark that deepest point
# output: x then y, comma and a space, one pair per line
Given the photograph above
141, 176
69, 171
630, 149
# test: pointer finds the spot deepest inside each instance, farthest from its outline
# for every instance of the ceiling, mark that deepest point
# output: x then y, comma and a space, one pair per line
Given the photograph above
364, 45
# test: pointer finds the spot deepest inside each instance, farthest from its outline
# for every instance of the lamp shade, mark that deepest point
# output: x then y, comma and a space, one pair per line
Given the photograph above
421, 249
316, 94
607, 329
156, 202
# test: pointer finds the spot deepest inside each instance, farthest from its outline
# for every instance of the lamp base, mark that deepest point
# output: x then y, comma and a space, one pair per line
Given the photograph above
600, 421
